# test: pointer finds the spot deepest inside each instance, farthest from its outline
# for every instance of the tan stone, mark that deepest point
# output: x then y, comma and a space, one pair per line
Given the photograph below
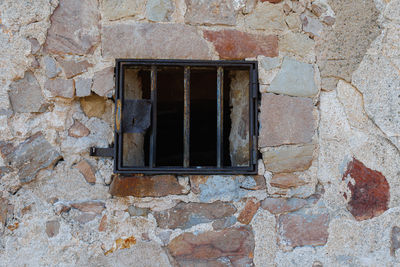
117, 9
296, 43
209, 12
300, 229
72, 68
266, 16
89, 206
148, 40
233, 44
249, 210
286, 120
288, 158
103, 82
52, 228
93, 105
78, 130
60, 88
286, 180
87, 171
74, 27
141, 186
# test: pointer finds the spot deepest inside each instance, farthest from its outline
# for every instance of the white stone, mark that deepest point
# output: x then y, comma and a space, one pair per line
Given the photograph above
265, 249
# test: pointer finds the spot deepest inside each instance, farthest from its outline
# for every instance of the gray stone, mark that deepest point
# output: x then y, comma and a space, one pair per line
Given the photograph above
117, 9
311, 25
383, 105
159, 10
35, 45
295, 78
186, 215
210, 12
60, 88
26, 95
31, 156
52, 228
392, 10
288, 158
74, 27
269, 63
103, 82
51, 67
136, 211
286, 120
148, 40
340, 50
224, 223
83, 87
72, 68
266, 16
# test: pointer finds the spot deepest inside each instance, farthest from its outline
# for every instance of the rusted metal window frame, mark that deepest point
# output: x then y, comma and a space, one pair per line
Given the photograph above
186, 169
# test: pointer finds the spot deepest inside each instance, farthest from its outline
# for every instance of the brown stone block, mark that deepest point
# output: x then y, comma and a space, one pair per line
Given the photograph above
78, 130
286, 180
87, 171
280, 205
288, 158
89, 206
235, 244
286, 120
146, 186
249, 210
299, 229
233, 44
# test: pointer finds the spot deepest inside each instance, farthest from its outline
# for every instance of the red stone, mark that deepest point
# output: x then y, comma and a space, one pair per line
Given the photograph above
235, 244
142, 186
299, 229
249, 210
369, 194
233, 44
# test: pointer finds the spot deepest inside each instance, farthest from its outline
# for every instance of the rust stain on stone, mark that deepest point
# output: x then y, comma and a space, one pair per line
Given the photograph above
142, 186
233, 44
121, 243
369, 192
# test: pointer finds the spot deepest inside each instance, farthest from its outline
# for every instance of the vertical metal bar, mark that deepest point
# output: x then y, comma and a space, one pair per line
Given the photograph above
153, 138
186, 119
220, 116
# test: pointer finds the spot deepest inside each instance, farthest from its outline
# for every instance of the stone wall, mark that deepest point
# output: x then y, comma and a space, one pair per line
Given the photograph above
327, 191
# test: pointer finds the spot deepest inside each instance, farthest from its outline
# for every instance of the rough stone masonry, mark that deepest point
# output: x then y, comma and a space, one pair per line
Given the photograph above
327, 191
